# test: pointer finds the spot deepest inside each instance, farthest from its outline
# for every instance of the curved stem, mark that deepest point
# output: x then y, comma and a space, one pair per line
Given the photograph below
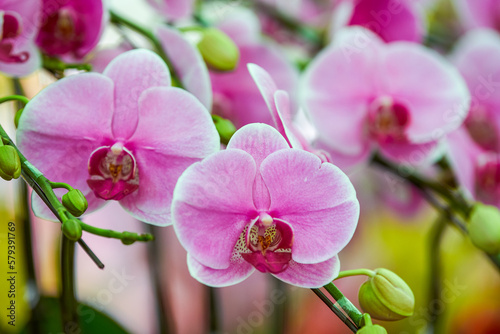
345, 304
68, 299
335, 310
62, 185
18, 98
56, 65
356, 272
115, 234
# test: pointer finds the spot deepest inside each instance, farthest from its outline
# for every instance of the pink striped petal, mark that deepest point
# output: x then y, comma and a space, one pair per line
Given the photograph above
311, 275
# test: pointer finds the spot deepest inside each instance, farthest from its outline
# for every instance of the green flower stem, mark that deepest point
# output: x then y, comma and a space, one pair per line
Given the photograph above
56, 65
345, 304
336, 311
19, 98
67, 296
121, 21
115, 234
62, 185
356, 272
435, 272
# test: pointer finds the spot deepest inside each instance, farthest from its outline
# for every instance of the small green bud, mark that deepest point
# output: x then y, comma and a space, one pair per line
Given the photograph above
484, 228
218, 50
75, 202
225, 128
372, 329
128, 238
10, 164
72, 229
386, 296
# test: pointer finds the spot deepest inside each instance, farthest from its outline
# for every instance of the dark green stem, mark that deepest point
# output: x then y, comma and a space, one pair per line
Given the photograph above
68, 299
335, 310
435, 272
454, 199
351, 310
213, 311
164, 314
280, 316
56, 65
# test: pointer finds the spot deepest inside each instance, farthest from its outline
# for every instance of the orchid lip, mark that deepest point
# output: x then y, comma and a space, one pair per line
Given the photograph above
268, 242
113, 172
387, 120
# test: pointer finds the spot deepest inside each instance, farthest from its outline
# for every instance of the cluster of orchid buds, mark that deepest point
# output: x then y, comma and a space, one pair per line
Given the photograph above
263, 131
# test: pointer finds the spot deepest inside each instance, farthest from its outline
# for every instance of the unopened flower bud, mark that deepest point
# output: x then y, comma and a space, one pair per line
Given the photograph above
10, 164
75, 202
484, 228
218, 50
128, 238
72, 229
386, 296
372, 329
225, 128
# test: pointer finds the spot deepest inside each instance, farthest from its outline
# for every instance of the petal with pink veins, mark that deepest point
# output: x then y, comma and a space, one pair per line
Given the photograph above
317, 199
133, 72
235, 273
311, 275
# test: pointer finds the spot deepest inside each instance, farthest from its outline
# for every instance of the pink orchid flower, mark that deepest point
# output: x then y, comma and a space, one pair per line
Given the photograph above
71, 29
262, 205
235, 95
479, 13
392, 20
474, 149
19, 23
173, 9
399, 98
123, 135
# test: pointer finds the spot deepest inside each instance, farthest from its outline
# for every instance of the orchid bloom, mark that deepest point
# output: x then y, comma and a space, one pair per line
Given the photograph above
262, 205
478, 13
19, 23
235, 95
123, 135
70, 29
474, 149
173, 9
399, 98
391, 20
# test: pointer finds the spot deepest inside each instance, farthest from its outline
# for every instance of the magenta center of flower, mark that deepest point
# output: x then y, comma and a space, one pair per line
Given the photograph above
62, 32
268, 242
387, 120
488, 180
482, 129
11, 27
113, 172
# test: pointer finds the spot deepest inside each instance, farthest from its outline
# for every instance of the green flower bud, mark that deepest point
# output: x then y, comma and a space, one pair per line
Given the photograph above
218, 50
75, 202
10, 164
372, 329
484, 228
128, 238
225, 128
72, 229
386, 296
